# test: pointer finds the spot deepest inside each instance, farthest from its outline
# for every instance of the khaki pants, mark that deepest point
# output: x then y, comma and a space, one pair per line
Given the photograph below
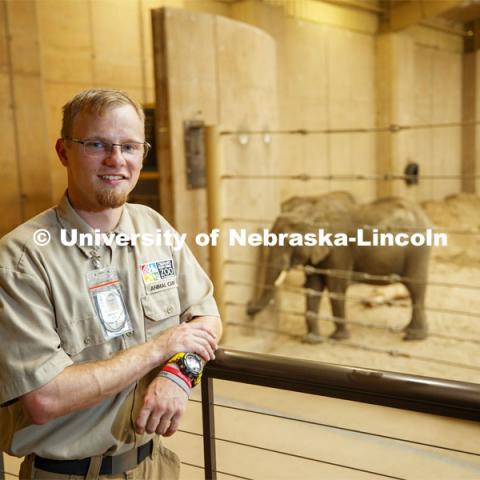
162, 464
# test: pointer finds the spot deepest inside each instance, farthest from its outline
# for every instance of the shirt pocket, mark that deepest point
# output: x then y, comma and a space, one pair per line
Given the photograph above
83, 340
161, 311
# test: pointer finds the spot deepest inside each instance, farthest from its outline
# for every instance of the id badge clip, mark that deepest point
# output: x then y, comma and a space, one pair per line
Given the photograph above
106, 294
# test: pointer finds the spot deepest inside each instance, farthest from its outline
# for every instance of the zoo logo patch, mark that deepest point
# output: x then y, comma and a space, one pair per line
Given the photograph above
158, 275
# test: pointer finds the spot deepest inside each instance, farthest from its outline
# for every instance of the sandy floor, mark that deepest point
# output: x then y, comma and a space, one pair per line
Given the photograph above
452, 354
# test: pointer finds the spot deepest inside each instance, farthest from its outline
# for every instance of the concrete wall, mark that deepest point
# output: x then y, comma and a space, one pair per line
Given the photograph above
328, 58
419, 83
50, 50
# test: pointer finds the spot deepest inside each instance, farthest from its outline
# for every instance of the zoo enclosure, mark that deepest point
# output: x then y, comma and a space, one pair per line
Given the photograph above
232, 268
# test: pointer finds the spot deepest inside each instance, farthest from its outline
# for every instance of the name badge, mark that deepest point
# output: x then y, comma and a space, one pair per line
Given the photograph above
158, 275
107, 299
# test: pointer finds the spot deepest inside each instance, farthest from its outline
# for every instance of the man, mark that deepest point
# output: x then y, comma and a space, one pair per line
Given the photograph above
88, 331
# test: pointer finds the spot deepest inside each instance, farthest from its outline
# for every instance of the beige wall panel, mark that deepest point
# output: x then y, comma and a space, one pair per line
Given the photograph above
117, 44
192, 91
423, 156
22, 26
32, 135
446, 161
146, 7
423, 85
66, 41
290, 154
4, 62
438, 84
305, 82
363, 147
249, 198
248, 101
254, 158
341, 161
351, 79
56, 95
316, 160
247, 83
435, 38
447, 87
333, 14
9, 193
477, 128
403, 51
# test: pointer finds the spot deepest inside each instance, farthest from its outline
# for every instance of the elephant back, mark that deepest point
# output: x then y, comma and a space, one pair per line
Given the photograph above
391, 212
330, 201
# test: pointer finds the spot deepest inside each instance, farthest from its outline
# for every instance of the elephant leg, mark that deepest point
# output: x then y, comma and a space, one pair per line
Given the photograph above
315, 284
417, 329
417, 269
338, 288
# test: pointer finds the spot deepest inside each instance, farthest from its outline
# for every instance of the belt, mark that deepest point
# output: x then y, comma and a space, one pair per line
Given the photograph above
111, 465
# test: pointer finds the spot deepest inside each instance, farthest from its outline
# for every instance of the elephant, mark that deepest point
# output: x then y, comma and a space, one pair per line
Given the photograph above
338, 212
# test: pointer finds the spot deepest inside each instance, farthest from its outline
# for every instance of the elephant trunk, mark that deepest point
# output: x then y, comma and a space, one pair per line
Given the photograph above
277, 263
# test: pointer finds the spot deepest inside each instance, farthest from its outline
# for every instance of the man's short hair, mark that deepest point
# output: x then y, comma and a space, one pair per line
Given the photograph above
95, 101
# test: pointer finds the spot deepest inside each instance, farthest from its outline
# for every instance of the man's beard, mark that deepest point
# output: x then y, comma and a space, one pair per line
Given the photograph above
111, 198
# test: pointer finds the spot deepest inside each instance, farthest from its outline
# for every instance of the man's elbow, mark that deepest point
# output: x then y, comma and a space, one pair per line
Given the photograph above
38, 407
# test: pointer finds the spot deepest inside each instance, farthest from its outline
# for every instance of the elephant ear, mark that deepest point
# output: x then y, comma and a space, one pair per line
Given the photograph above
316, 253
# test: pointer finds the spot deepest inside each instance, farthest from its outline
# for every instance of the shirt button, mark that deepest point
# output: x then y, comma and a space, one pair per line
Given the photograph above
87, 340
170, 309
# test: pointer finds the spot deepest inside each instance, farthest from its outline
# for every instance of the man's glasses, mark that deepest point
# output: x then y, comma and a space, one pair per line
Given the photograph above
102, 149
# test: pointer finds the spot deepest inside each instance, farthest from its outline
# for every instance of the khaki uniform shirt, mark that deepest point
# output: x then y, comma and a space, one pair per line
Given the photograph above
48, 322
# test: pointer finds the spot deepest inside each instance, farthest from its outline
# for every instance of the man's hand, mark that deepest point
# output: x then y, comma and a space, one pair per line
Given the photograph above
163, 406
190, 337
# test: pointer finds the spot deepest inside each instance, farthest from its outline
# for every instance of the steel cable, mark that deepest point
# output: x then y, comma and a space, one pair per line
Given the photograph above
218, 471
336, 427
331, 318
301, 457
304, 177
357, 276
342, 296
393, 128
356, 346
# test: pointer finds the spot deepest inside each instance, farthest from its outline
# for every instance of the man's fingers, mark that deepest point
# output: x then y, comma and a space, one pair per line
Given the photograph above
204, 328
164, 424
141, 420
153, 421
212, 343
174, 423
203, 348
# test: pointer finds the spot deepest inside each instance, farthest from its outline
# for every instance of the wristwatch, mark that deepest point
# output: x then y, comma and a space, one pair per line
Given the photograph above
190, 364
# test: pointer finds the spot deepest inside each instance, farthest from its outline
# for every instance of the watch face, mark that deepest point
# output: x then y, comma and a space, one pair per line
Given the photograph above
192, 363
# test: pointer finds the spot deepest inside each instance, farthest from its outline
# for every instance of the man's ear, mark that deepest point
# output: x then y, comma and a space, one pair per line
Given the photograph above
61, 149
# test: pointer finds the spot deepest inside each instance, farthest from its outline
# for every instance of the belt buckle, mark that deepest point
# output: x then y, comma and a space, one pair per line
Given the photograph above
124, 462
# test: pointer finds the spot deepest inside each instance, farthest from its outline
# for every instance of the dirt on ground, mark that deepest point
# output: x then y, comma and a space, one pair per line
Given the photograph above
379, 313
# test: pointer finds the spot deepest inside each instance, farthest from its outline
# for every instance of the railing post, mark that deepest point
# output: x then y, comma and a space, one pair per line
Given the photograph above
208, 420
214, 206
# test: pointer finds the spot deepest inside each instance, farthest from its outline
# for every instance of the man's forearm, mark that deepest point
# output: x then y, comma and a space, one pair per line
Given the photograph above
84, 385
81, 386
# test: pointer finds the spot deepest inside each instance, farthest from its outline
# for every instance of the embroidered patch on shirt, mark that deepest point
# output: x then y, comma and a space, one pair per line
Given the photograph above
158, 275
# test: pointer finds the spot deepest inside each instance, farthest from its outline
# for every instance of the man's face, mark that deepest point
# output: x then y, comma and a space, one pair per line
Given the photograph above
96, 183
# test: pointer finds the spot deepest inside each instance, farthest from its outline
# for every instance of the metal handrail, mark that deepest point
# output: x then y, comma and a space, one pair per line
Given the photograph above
409, 392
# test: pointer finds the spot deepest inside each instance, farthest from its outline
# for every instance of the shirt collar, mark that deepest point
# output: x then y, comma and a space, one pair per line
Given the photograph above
69, 219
